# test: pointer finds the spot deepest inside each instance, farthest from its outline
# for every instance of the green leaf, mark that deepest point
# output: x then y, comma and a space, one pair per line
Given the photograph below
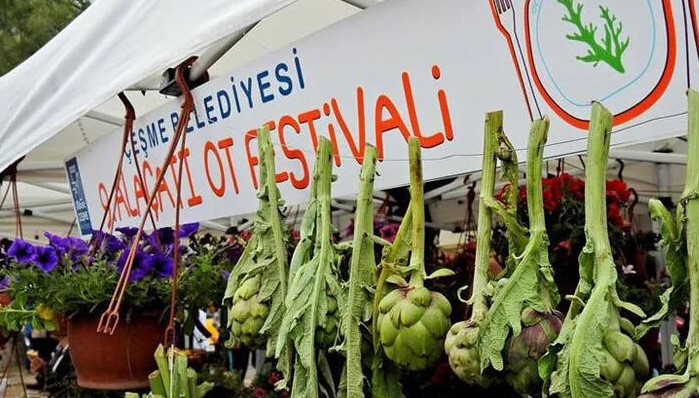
440, 273
397, 280
675, 262
313, 281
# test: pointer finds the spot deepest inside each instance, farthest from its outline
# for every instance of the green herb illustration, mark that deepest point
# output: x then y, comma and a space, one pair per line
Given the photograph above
610, 49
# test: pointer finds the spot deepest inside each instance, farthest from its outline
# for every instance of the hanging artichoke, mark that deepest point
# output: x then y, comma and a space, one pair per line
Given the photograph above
681, 237
326, 332
258, 284
248, 313
461, 344
521, 321
592, 357
412, 320
524, 350
312, 303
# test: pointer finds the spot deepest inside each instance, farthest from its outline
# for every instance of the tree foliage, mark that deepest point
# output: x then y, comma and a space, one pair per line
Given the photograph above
26, 25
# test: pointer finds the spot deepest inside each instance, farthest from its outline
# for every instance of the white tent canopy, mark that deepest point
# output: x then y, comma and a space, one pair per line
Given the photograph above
64, 96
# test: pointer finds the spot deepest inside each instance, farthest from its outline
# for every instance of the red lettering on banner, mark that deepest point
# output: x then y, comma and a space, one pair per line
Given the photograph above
220, 189
358, 147
156, 206
226, 144
443, 106
137, 192
425, 142
104, 197
163, 188
298, 183
385, 125
309, 118
252, 159
333, 138
194, 199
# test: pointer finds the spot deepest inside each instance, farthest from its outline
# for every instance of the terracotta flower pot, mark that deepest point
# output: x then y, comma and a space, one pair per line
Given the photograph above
121, 361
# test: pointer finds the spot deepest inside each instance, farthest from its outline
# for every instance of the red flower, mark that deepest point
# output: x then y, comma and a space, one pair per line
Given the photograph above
550, 203
274, 378
284, 393
564, 245
614, 214
295, 235
522, 193
259, 392
617, 189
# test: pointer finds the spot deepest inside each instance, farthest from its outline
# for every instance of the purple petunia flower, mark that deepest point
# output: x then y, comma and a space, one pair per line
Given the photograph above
22, 251
162, 264
46, 258
142, 265
166, 236
5, 283
112, 244
187, 230
61, 244
128, 232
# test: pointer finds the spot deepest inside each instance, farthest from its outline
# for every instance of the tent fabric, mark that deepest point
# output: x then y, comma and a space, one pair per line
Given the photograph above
109, 47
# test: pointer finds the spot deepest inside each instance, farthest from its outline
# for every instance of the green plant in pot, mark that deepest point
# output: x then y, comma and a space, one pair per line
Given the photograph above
70, 279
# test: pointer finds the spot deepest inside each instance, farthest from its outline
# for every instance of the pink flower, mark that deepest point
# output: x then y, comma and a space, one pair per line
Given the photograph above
259, 392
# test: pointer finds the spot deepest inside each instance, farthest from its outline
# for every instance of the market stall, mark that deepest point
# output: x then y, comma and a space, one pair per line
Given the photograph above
522, 261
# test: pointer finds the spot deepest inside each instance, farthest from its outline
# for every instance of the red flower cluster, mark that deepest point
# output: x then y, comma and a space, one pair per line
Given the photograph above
565, 187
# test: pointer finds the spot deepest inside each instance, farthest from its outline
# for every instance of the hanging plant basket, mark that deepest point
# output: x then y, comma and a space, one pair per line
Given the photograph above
121, 361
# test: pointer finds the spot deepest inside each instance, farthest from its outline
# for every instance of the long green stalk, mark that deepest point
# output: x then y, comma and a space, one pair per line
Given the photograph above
493, 127
361, 277
417, 255
691, 204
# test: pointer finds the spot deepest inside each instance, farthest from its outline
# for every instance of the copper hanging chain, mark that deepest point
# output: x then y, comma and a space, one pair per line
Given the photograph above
110, 318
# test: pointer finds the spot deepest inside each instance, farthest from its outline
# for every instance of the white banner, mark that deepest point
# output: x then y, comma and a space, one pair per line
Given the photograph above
424, 68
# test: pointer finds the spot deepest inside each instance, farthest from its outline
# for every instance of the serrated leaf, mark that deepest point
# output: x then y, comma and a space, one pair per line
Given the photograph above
312, 282
675, 263
523, 289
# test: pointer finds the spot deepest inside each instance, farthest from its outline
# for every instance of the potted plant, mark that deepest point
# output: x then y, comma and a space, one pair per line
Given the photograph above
69, 278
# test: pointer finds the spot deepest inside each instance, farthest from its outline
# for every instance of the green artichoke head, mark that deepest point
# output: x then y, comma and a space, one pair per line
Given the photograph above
461, 345
326, 332
623, 364
524, 350
248, 314
413, 322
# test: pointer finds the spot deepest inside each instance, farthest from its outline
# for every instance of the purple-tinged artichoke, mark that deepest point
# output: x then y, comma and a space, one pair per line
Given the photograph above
524, 350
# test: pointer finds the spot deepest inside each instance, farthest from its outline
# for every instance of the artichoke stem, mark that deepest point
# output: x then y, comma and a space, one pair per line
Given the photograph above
417, 256
493, 130
689, 197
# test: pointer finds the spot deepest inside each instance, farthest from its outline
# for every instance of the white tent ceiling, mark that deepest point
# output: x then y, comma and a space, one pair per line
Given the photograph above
43, 189
42, 183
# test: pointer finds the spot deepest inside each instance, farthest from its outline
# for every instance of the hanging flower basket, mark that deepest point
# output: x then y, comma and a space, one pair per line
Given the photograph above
121, 361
